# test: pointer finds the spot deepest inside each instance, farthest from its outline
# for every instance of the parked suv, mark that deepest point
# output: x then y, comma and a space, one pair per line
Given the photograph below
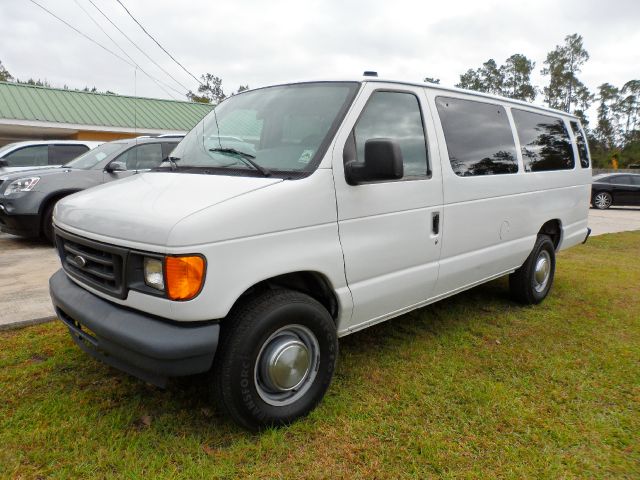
41, 154
296, 214
615, 189
27, 198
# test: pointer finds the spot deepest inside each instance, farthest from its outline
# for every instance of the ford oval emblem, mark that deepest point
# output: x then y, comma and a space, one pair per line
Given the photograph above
80, 261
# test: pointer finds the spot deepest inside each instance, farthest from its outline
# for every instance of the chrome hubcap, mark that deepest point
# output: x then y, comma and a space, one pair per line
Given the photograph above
542, 271
287, 365
602, 200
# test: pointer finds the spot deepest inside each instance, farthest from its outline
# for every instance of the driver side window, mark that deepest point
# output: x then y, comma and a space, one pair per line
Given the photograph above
142, 157
396, 116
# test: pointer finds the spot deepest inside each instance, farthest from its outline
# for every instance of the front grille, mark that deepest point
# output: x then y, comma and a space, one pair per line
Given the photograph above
98, 265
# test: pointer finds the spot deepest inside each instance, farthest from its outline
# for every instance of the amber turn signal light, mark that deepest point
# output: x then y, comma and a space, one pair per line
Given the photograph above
184, 276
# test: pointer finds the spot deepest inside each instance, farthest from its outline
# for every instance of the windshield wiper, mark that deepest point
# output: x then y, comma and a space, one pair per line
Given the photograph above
247, 157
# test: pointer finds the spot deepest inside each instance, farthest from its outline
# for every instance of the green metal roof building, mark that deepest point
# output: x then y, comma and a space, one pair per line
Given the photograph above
32, 112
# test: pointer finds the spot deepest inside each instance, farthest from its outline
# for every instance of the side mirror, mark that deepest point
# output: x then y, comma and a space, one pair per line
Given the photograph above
382, 161
4, 163
116, 166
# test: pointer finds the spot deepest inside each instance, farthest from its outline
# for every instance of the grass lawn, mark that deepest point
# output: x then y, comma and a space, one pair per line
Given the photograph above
475, 386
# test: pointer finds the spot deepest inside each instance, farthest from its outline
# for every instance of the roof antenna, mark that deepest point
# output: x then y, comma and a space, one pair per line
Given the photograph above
370, 73
135, 102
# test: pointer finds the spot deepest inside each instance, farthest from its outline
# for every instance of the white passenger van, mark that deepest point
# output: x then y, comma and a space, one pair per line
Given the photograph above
296, 214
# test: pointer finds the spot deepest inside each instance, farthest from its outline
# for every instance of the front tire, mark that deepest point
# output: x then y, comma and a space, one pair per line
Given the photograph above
531, 283
276, 359
47, 223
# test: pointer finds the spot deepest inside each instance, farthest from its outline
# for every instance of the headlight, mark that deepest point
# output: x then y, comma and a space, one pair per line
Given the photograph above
153, 273
22, 185
184, 275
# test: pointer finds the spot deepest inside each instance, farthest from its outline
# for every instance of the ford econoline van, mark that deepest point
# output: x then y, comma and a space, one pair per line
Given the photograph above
296, 214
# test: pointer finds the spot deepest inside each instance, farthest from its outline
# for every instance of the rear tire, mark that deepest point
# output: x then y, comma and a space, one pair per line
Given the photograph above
531, 283
276, 359
602, 200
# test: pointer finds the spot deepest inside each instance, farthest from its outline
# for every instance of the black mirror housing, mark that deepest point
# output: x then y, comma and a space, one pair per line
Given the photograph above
115, 166
3, 163
382, 161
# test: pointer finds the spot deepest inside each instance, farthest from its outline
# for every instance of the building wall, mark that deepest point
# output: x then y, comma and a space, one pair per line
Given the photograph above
101, 136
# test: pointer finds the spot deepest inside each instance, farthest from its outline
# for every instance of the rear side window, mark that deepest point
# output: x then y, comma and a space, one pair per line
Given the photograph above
395, 115
479, 137
35, 156
61, 154
544, 142
635, 179
621, 180
581, 143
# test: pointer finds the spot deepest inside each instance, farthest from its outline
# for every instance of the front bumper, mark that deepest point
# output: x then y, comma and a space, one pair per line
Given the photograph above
141, 345
21, 225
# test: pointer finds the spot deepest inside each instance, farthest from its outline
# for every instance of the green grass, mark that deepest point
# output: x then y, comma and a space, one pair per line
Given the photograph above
475, 386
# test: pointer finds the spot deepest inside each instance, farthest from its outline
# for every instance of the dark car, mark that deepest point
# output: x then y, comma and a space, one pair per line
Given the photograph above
615, 189
27, 198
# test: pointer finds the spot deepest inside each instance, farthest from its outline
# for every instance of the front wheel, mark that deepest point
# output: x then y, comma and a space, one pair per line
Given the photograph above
531, 283
602, 200
276, 359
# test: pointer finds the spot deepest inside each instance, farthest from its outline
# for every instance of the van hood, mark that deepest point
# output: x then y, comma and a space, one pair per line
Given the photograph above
145, 207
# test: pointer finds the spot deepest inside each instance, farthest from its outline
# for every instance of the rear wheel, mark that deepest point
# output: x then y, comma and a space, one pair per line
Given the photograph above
602, 200
531, 283
276, 359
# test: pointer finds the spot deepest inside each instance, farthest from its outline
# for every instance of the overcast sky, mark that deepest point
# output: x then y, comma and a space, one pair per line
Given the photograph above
263, 42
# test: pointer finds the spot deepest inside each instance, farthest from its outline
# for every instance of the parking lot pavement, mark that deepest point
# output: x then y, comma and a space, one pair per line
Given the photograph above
26, 265
25, 268
615, 219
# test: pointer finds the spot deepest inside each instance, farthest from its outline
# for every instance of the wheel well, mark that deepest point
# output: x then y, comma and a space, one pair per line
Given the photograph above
313, 284
552, 228
54, 198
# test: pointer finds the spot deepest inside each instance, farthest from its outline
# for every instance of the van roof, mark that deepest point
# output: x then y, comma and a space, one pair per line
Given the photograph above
433, 86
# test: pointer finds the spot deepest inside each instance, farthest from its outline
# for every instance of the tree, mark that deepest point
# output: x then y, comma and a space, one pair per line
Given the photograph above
471, 80
487, 78
516, 73
210, 90
241, 88
606, 129
562, 65
630, 106
5, 76
431, 80
492, 77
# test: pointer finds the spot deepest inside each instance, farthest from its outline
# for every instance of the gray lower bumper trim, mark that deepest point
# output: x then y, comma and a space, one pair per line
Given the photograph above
143, 346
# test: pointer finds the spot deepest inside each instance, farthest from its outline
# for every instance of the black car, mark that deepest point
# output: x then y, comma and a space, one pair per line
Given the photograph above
27, 198
615, 189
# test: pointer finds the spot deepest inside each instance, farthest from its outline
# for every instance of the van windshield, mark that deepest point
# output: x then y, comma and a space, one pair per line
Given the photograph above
268, 131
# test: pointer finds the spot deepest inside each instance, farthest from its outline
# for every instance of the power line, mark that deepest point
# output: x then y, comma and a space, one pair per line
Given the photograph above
84, 35
157, 43
155, 80
135, 45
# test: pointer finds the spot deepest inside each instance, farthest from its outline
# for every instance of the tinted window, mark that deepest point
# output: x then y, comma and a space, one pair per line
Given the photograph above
581, 144
479, 137
35, 156
396, 116
621, 180
544, 141
635, 180
61, 154
142, 157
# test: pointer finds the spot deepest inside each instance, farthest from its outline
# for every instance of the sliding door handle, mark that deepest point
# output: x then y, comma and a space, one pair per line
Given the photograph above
435, 223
